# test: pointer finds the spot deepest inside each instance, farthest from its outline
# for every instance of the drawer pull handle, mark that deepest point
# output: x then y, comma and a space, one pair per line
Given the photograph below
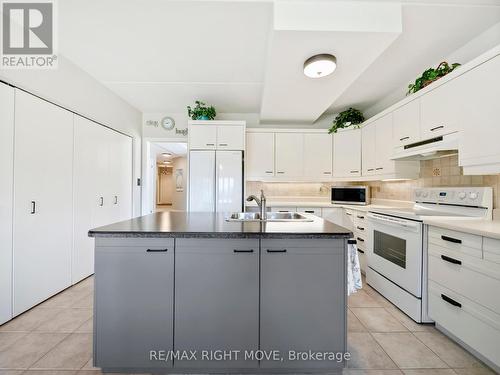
210, 144
309, 211
269, 172
281, 172
370, 169
451, 260
451, 239
276, 251
327, 172
360, 217
222, 144
360, 228
156, 250
451, 301
404, 138
354, 172
360, 239
348, 214
243, 251
437, 127
283, 211
361, 251
379, 168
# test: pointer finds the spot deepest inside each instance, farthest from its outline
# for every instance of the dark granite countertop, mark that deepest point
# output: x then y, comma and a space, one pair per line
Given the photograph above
209, 225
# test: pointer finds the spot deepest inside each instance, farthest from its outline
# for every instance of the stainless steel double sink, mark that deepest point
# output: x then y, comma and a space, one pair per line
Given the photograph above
270, 216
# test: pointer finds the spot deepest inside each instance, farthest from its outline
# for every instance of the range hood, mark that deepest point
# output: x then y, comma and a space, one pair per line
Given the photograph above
444, 145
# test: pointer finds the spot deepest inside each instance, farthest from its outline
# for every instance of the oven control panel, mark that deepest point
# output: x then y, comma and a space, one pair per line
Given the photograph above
463, 196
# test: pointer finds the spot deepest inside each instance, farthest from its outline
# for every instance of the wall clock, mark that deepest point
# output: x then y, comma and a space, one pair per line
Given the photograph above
167, 123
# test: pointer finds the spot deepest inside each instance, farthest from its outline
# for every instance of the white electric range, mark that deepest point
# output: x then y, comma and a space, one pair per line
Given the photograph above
397, 242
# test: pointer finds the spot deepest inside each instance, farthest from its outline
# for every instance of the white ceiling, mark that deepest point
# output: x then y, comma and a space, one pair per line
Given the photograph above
176, 149
161, 55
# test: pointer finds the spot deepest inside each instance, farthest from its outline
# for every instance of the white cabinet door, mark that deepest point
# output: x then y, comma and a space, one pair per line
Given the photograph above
202, 137
406, 124
230, 137
6, 195
42, 200
479, 140
289, 154
259, 157
347, 153
368, 153
440, 109
383, 149
318, 155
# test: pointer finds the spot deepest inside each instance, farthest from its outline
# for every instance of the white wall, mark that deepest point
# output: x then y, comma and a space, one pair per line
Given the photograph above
74, 89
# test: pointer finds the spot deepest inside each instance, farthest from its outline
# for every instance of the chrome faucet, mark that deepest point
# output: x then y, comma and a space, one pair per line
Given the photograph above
261, 203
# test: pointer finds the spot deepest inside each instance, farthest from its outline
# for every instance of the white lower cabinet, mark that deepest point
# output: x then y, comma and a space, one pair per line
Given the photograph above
43, 212
333, 214
6, 195
463, 289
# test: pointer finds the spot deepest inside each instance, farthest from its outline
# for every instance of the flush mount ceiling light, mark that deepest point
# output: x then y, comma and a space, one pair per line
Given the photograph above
167, 154
167, 162
321, 65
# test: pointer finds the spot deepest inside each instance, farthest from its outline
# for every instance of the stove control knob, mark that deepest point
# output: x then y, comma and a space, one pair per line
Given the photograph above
462, 195
473, 195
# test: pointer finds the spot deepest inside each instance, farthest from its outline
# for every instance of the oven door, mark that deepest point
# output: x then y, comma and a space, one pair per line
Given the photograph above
395, 251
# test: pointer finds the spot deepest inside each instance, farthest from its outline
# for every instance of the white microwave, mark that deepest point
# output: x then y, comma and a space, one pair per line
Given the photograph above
350, 195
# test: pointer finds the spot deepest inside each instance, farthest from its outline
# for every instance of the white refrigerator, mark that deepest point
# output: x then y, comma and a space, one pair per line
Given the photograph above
215, 181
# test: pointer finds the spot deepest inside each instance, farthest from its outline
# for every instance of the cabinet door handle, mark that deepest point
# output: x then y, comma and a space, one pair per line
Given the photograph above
327, 172
354, 172
451, 260
309, 211
360, 239
379, 168
210, 144
451, 301
360, 217
370, 169
156, 250
348, 214
404, 138
451, 239
101, 201
360, 228
361, 251
437, 127
243, 251
281, 172
116, 199
222, 144
33, 207
276, 251
269, 172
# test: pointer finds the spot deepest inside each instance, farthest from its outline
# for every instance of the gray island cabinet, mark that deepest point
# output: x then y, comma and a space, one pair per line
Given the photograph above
190, 292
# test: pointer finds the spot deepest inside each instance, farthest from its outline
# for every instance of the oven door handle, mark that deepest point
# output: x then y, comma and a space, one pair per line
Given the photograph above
393, 221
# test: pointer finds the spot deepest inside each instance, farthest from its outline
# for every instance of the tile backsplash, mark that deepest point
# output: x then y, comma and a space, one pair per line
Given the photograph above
436, 172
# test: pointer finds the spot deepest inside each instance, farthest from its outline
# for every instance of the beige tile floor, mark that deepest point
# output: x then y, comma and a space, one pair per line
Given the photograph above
55, 338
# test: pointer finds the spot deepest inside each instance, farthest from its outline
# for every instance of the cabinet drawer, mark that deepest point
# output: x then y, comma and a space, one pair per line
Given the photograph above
491, 250
361, 241
464, 243
283, 209
474, 325
469, 276
133, 244
216, 246
310, 210
362, 261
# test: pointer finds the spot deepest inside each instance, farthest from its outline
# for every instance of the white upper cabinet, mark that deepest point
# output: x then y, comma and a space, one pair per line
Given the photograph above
406, 124
383, 148
230, 137
318, 155
347, 153
368, 153
202, 137
479, 150
289, 155
220, 135
259, 157
440, 109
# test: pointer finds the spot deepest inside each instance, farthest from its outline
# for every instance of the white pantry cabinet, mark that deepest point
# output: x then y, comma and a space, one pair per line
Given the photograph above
43, 157
318, 154
259, 158
406, 120
6, 195
220, 135
289, 155
347, 153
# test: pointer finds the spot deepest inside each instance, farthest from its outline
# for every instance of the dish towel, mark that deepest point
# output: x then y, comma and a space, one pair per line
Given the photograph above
353, 270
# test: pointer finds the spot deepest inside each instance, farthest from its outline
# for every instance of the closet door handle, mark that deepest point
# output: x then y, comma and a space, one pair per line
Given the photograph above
116, 199
101, 201
33, 207
156, 250
451, 301
243, 251
451, 260
437, 127
276, 251
451, 239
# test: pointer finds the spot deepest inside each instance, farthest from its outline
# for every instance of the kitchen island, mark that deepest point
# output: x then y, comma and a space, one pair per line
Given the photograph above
191, 292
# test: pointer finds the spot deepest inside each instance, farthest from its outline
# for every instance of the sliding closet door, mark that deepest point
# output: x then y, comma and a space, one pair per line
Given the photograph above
6, 173
43, 156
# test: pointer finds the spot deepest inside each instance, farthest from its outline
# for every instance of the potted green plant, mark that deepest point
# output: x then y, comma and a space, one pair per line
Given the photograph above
345, 119
201, 111
431, 75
